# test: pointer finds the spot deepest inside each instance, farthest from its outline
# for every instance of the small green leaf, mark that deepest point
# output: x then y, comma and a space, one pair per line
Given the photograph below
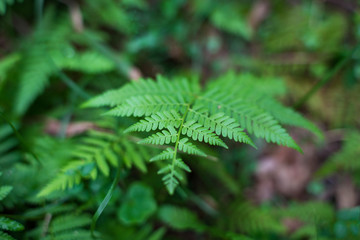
139, 204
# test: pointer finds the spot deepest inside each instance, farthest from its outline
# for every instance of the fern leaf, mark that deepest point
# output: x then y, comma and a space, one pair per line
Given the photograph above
10, 225
347, 159
161, 138
225, 109
252, 117
221, 124
170, 182
288, 116
88, 62
147, 105
190, 148
68, 222
67, 178
144, 87
71, 235
4, 191
34, 76
198, 133
101, 163
5, 236
180, 218
167, 154
156, 121
180, 163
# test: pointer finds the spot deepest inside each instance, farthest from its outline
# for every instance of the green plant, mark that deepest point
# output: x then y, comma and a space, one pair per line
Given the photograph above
7, 224
180, 111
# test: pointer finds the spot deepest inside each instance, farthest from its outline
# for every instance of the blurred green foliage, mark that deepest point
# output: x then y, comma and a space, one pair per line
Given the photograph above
60, 159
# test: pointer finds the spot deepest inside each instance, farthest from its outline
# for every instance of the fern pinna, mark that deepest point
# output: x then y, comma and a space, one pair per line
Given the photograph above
181, 113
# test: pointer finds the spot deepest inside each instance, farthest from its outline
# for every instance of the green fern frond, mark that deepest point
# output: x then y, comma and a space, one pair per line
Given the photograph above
180, 218
228, 107
10, 225
199, 133
221, 124
99, 151
68, 227
347, 159
188, 147
250, 116
156, 121
67, 178
87, 62
288, 116
147, 105
5, 236
4, 191
143, 87
165, 155
180, 164
35, 75
161, 138
6, 64
69, 222
8, 143
37, 62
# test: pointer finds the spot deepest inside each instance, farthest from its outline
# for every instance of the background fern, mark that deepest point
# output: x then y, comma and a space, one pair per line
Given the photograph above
99, 151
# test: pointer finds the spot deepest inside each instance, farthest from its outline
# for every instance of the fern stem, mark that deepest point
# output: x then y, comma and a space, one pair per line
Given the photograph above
341, 64
177, 141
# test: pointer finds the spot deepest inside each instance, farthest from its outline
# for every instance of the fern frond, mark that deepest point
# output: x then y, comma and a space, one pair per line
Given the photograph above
221, 124
8, 143
199, 133
249, 115
69, 222
66, 227
170, 181
5, 236
180, 218
88, 62
156, 121
227, 108
347, 159
190, 148
167, 154
288, 116
147, 105
98, 151
67, 178
161, 138
10, 225
4, 191
144, 87
180, 164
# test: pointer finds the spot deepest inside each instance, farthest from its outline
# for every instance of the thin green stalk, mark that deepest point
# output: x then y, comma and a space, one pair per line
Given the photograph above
105, 202
326, 78
177, 142
39, 5
121, 64
19, 137
71, 84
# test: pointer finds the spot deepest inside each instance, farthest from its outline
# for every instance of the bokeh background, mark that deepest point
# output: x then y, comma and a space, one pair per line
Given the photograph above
55, 54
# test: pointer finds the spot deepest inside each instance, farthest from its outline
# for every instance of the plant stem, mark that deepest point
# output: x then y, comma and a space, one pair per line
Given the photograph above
326, 78
177, 142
